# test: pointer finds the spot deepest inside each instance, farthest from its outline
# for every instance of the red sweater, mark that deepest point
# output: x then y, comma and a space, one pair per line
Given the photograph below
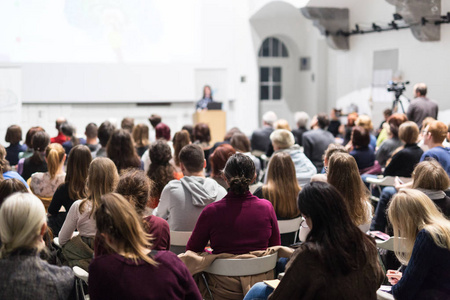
236, 224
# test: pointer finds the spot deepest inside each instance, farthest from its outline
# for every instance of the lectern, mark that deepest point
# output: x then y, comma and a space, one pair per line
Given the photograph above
216, 120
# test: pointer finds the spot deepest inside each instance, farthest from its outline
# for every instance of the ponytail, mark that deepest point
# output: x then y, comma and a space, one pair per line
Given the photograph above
54, 154
239, 172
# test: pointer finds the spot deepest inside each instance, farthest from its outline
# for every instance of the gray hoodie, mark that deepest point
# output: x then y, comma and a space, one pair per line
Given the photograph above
183, 200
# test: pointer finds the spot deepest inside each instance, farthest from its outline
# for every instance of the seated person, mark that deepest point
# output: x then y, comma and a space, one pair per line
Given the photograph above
240, 222
72, 140
5, 169
361, 150
13, 137
11, 186
217, 160
384, 152
434, 135
36, 162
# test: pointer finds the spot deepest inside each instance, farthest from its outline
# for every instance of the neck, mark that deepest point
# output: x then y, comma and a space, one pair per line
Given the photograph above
195, 174
433, 145
91, 141
316, 127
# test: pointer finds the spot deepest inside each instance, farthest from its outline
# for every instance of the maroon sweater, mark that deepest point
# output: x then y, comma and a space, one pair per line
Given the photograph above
116, 277
236, 224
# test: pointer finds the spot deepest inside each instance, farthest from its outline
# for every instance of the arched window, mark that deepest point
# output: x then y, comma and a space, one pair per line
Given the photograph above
273, 47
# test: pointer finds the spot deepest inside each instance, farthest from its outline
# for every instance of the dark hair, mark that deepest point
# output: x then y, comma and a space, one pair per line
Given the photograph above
13, 134
154, 120
10, 186
395, 121
40, 141
140, 135
239, 172
105, 131
91, 130
180, 139
190, 129
219, 158
339, 243
162, 131
210, 92
77, 171
160, 171
230, 133
387, 112
69, 131
30, 134
135, 186
360, 137
192, 157
240, 142
322, 120
202, 133
127, 124
121, 151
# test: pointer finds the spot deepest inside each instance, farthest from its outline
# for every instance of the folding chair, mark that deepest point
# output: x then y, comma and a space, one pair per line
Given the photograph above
288, 226
179, 240
81, 278
381, 182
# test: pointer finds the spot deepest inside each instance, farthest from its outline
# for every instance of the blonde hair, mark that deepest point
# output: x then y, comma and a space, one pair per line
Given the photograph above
282, 138
430, 175
54, 154
411, 211
117, 218
365, 122
282, 124
282, 187
343, 174
22, 216
102, 179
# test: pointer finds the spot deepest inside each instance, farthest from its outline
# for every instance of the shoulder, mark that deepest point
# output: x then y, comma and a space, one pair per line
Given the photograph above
156, 221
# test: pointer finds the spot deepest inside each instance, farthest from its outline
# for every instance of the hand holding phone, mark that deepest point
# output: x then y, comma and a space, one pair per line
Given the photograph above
393, 276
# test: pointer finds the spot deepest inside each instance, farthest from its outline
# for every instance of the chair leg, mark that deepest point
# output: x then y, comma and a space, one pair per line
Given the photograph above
207, 286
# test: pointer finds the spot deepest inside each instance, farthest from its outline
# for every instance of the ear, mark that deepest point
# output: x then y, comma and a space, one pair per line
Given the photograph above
43, 229
183, 169
254, 178
204, 163
64, 158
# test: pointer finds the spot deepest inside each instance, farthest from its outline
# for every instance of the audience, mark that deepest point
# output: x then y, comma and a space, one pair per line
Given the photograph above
180, 139
218, 159
13, 137
127, 124
337, 260
127, 272
280, 124
343, 174
260, 139
241, 143
91, 133
301, 120
388, 147
105, 131
335, 122
5, 169
365, 122
73, 187
240, 222
316, 141
332, 148
140, 137
36, 163
72, 139
190, 129
421, 106
121, 151
29, 146
361, 150
281, 190
346, 130
10, 186
434, 135
160, 171
202, 135
60, 138
45, 184
162, 131
425, 249
102, 179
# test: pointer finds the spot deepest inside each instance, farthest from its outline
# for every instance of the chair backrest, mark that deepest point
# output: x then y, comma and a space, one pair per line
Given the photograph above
179, 238
387, 180
287, 226
388, 244
243, 267
45, 200
56, 239
80, 273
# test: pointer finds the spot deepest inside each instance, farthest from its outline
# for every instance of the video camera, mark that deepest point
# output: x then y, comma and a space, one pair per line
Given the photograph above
397, 87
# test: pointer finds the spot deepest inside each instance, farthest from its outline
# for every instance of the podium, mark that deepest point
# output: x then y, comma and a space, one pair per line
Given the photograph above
216, 120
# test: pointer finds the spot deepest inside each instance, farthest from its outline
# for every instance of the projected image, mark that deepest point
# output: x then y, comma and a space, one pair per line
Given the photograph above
91, 31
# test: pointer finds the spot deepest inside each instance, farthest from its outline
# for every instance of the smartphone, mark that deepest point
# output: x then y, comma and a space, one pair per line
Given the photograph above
380, 235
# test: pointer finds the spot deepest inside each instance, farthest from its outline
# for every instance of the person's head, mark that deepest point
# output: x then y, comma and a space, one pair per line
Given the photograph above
435, 133
332, 148
161, 170
343, 174
67, 129
160, 153
219, 158
59, 122
11, 186
364, 121
202, 133
13, 134
121, 227
339, 240
301, 119
321, 120
91, 131
140, 135
427, 121
282, 124
207, 93
230, 133
387, 113
351, 119
190, 129
192, 159
411, 211
154, 120
102, 179
239, 172
30, 134
162, 131
135, 186
40, 141
282, 139
335, 113
430, 175
408, 132
55, 155
4, 164
105, 131
80, 158
395, 121
360, 137
240, 142
420, 90
121, 151
282, 186
180, 139
22, 223
269, 118
127, 124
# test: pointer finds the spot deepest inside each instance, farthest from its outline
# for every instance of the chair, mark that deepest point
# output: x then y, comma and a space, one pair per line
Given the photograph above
288, 226
81, 278
388, 244
56, 239
383, 181
382, 295
179, 240
45, 200
240, 267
